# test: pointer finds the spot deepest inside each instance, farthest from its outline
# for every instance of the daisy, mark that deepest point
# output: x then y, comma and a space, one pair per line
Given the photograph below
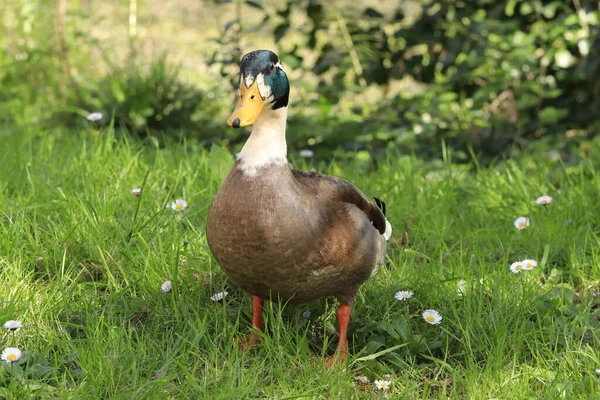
403, 295
529, 264
94, 116
382, 385
166, 287
12, 325
219, 296
11, 354
179, 205
306, 153
461, 287
598, 371
136, 191
521, 223
432, 316
543, 200
517, 267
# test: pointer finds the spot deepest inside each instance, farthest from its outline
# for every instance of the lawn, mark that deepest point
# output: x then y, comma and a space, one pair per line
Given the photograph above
83, 260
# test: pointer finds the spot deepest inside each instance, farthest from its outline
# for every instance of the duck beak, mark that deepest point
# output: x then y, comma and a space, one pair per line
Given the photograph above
248, 107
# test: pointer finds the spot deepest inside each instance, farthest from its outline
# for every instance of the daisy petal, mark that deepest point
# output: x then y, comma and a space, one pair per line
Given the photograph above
516, 267
543, 200
12, 325
521, 223
432, 316
219, 296
179, 205
10, 354
94, 116
382, 384
306, 153
403, 295
166, 287
529, 264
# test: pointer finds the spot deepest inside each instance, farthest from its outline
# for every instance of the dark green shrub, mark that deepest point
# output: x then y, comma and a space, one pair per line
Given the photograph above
151, 98
484, 75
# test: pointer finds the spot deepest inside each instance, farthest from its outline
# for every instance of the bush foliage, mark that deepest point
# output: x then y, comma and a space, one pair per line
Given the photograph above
491, 74
477, 75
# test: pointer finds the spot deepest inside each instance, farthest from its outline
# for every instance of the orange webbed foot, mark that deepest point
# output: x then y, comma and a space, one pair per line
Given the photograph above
341, 353
337, 358
248, 342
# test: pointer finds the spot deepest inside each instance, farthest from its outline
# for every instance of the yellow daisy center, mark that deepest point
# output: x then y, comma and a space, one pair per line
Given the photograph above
11, 357
383, 384
529, 265
430, 318
521, 224
544, 201
518, 267
179, 207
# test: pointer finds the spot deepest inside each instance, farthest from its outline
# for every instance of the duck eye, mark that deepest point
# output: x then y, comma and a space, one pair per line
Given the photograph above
252, 97
272, 67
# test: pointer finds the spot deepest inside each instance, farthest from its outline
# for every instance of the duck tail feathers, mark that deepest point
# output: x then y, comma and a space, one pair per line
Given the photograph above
388, 227
388, 230
380, 204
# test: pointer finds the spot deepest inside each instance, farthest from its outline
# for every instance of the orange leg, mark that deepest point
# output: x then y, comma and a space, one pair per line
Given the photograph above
257, 313
257, 325
341, 352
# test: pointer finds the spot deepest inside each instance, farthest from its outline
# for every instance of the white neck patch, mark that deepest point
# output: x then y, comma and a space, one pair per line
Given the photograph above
266, 145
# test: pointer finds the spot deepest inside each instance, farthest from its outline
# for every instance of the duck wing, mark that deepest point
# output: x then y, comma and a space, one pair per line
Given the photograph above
338, 190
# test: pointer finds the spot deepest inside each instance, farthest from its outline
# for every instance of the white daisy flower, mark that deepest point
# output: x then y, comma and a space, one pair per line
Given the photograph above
461, 287
219, 296
136, 191
543, 200
11, 354
404, 295
521, 223
179, 205
94, 116
529, 264
432, 316
306, 153
517, 267
166, 287
598, 371
12, 325
382, 385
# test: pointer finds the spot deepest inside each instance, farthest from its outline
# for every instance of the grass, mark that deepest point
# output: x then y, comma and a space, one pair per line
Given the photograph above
83, 260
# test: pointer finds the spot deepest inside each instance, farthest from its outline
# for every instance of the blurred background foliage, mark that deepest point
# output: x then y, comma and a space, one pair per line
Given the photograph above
486, 78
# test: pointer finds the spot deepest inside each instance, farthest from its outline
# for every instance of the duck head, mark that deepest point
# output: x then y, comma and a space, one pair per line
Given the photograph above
263, 86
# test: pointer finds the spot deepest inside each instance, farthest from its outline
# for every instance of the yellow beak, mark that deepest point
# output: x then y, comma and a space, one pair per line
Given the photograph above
248, 107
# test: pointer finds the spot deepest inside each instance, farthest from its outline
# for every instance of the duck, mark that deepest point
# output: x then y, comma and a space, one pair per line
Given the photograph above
283, 234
